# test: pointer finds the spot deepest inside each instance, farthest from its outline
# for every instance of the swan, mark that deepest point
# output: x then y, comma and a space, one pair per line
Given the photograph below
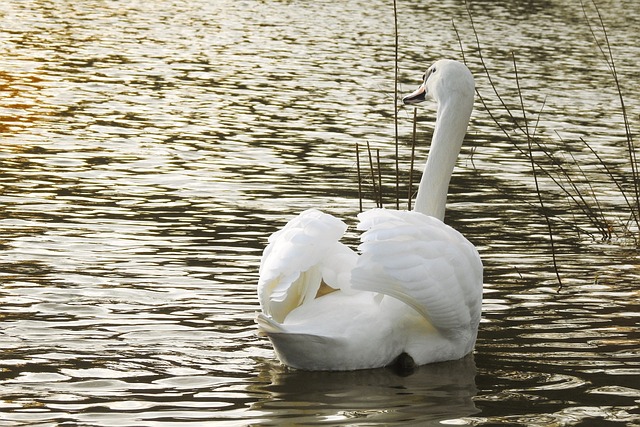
412, 295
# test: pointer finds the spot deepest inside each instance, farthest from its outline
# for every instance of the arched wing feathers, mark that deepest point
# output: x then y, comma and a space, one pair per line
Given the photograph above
299, 258
423, 262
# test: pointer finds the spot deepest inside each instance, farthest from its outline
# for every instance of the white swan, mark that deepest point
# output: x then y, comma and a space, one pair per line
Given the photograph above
415, 291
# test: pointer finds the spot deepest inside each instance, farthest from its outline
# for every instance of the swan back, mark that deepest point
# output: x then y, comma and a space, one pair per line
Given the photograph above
423, 262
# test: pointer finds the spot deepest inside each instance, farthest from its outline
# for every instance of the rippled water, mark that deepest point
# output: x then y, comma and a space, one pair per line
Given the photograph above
149, 148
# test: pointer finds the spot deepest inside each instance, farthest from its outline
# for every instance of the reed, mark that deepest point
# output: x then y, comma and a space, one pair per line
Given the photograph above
376, 173
395, 102
359, 177
377, 194
607, 54
567, 172
530, 139
568, 188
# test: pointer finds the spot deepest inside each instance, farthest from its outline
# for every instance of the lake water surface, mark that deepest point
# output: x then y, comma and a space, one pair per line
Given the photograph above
148, 149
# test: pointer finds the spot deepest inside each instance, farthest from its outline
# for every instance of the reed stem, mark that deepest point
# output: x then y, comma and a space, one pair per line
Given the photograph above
359, 177
395, 102
373, 175
379, 179
535, 175
608, 56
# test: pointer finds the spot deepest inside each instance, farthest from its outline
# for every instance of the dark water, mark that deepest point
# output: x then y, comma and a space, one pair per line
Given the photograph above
149, 148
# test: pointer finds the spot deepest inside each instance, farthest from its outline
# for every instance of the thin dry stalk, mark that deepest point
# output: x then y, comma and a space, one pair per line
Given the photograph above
572, 190
512, 117
608, 56
453, 23
379, 179
395, 103
634, 214
515, 122
596, 216
359, 177
373, 175
535, 175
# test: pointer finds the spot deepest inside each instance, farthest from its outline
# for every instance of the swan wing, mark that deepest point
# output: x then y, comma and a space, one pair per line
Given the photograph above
424, 263
301, 257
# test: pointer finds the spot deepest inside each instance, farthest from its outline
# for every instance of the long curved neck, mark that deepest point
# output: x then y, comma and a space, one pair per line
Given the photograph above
452, 119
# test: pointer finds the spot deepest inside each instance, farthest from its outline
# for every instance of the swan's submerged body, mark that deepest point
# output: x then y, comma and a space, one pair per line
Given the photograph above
414, 289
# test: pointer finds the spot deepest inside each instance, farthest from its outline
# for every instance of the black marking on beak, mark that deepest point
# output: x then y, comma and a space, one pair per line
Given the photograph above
416, 97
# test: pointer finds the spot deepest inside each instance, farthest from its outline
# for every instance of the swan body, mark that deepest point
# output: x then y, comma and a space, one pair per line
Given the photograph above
414, 289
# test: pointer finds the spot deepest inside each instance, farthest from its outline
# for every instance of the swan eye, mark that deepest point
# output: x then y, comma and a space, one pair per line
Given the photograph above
429, 72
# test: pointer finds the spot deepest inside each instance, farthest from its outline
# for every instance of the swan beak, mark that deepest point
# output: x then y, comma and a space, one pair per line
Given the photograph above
416, 97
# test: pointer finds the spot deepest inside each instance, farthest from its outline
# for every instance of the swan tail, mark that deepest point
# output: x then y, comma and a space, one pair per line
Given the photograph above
422, 262
267, 325
298, 349
302, 261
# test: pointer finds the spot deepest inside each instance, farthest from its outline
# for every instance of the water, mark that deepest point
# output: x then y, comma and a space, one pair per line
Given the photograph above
149, 148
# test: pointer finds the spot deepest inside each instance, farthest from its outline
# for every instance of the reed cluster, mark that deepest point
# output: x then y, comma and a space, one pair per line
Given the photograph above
557, 174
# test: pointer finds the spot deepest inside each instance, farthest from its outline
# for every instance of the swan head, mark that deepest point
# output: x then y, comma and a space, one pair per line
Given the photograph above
443, 81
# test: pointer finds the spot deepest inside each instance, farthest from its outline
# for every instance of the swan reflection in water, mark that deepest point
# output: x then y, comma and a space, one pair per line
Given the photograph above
436, 392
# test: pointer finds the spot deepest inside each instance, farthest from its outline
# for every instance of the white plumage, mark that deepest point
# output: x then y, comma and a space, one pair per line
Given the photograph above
415, 288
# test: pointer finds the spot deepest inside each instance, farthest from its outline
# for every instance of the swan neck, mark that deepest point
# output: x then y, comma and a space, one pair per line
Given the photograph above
452, 119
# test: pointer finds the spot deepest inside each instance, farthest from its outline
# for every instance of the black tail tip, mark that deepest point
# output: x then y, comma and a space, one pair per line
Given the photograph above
403, 365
